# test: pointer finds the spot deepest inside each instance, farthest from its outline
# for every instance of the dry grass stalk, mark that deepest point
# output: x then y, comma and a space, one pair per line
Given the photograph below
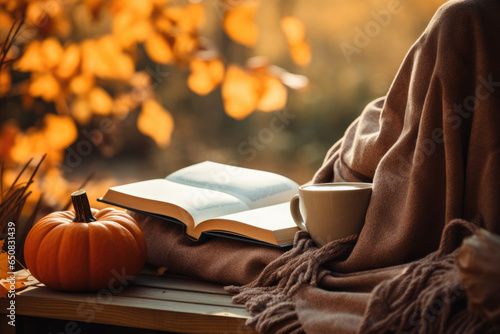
13, 198
9, 41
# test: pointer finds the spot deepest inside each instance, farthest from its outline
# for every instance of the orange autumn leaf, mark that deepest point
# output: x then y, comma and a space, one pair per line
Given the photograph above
301, 53
174, 13
81, 84
100, 101
51, 52
129, 30
6, 20
295, 34
239, 23
186, 19
240, 92
59, 131
46, 86
161, 270
104, 58
184, 46
10, 282
140, 79
191, 18
294, 29
260, 86
91, 62
8, 132
120, 65
162, 24
80, 110
274, 94
158, 49
70, 61
156, 122
5, 287
31, 60
216, 70
196, 14
205, 75
28, 143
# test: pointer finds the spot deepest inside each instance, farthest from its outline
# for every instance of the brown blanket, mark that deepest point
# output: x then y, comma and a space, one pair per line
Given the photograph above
431, 147
218, 260
297, 292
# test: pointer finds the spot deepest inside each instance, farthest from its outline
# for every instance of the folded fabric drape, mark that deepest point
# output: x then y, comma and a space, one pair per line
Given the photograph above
220, 260
432, 145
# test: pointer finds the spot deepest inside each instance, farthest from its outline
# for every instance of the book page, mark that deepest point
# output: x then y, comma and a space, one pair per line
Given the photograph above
152, 195
276, 219
273, 218
254, 187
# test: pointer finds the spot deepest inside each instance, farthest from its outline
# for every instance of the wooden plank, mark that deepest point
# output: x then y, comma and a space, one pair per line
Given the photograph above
104, 298
177, 283
149, 270
179, 296
133, 312
169, 303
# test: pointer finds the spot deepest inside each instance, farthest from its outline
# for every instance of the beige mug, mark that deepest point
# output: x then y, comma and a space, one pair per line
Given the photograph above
330, 211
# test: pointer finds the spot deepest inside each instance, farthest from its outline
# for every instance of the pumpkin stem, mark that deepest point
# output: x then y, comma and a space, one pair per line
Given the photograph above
81, 205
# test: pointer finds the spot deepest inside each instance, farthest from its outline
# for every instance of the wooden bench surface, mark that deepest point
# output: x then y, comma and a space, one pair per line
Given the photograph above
168, 303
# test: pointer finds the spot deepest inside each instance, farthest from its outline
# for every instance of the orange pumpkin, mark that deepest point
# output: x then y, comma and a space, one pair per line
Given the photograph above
85, 249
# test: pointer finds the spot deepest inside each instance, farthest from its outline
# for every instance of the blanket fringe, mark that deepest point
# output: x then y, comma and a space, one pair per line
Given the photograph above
269, 307
269, 297
427, 296
302, 264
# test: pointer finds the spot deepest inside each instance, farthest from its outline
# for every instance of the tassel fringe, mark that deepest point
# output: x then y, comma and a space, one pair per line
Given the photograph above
269, 297
427, 296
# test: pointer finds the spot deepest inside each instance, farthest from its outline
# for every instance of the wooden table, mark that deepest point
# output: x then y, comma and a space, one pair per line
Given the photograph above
149, 304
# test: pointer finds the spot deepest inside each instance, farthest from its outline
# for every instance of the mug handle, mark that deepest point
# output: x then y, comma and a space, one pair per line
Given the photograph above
295, 211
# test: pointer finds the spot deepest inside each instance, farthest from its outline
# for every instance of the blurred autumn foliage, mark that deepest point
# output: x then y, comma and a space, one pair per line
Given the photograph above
88, 77
90, 80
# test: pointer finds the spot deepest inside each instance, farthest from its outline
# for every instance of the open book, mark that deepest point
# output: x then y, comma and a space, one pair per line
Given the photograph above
213, 197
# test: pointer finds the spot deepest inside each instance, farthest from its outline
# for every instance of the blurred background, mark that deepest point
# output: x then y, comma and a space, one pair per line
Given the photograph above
115, 91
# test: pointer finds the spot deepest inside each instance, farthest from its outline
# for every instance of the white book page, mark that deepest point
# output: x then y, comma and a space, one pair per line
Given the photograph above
273, 218
254, 187
201, 204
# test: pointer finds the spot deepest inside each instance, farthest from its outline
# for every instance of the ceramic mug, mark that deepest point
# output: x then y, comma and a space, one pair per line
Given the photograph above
330, 211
